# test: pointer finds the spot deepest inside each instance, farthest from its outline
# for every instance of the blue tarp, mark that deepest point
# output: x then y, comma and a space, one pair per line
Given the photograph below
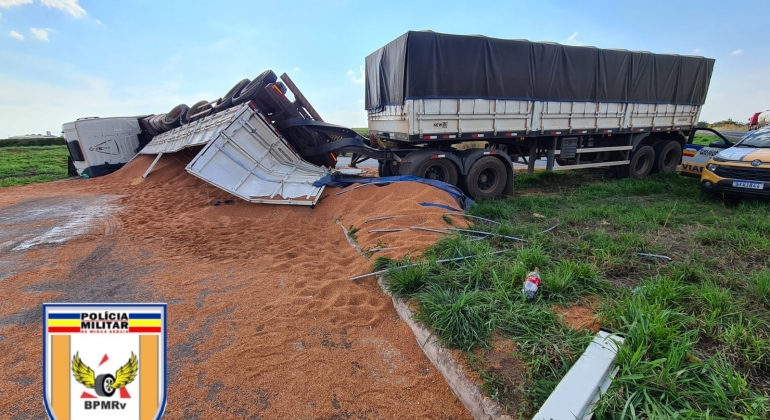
456, 193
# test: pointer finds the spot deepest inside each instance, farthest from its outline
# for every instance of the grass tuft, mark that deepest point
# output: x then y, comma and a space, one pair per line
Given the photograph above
759, 285
405, 281
460, 317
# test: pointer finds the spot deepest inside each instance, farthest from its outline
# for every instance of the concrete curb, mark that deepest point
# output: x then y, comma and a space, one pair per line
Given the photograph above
469, 393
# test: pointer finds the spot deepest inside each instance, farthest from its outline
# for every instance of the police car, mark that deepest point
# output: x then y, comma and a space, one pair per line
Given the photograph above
742, 168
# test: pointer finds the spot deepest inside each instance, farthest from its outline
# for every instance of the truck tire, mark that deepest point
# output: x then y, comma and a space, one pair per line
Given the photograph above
249, 92
668, 154
174, 117
641, 162
486, 178
385, 169
441, 169
157, 123
103, 385
199, 110
227, 101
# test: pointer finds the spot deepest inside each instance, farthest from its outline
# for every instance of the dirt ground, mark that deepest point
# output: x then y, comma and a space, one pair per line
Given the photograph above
263, 319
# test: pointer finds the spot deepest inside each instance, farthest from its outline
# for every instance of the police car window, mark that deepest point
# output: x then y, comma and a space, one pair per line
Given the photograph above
758, 139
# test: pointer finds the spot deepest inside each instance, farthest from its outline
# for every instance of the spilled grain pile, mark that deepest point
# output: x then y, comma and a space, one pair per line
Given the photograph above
263, 319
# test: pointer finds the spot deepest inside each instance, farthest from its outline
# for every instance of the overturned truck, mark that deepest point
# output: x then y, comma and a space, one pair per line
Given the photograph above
458, 109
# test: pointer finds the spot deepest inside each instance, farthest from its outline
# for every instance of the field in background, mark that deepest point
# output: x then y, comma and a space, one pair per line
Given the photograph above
697, 328
32, 142
26, 165
732, 127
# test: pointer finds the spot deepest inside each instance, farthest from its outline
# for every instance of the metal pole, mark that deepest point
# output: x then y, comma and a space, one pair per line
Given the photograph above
532, 156
152, 165
551, 156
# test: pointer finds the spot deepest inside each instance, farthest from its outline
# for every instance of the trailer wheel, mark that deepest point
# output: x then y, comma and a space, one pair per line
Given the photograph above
174, 117
486, 178
438, 169
103, 385
668, 154
249, 92
641, 162
227, 100
199, 110
385, 169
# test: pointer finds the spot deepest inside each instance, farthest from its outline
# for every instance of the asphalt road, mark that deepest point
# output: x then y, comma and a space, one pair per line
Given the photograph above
732, 135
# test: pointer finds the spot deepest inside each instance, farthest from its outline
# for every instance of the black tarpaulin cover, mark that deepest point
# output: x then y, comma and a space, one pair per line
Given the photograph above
423, 65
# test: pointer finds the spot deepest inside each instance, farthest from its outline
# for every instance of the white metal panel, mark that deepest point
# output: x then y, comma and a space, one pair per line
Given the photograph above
250, 160
451, 116
586, 381
193, 134
106, 140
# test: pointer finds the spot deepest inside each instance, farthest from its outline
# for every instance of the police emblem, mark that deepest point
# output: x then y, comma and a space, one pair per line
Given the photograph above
104, 360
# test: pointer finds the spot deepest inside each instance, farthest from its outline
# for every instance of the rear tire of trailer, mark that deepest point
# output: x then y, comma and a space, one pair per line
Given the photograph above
199, 110
668, 154
227, 100
486, 178
441, 169
249, 92
642, 161
174, 117
385, 169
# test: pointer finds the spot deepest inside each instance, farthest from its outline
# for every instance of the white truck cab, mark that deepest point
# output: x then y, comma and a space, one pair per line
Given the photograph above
99, 146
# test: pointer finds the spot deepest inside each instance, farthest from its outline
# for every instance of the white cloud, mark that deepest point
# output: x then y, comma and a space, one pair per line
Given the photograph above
51, 92
353, 78
40, 34
296, 68
697, 50
11, 3
16, 35
99, 22
68, 6
737, 52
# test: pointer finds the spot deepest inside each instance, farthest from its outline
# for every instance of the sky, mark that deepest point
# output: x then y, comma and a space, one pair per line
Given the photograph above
66, 59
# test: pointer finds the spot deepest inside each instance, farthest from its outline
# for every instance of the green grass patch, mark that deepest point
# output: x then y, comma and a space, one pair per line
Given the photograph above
697, 328
57, 141
31, 164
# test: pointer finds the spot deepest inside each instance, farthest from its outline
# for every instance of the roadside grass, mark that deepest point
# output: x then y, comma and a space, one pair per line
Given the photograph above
32, 164
696, 329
